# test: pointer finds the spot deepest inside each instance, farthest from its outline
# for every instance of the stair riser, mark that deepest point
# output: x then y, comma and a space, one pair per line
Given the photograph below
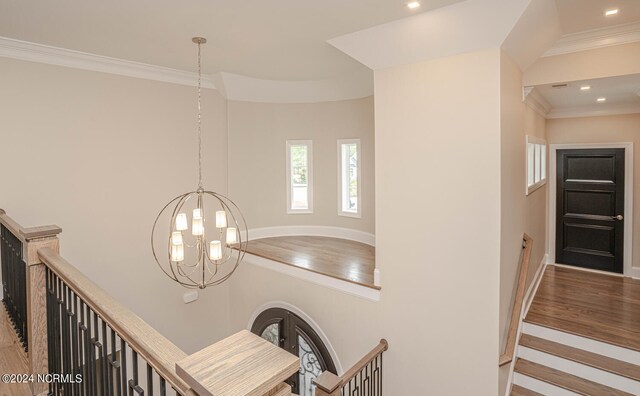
540, 386
601, 348
580, 370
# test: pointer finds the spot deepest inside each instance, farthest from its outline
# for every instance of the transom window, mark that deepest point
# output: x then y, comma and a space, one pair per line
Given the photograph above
349, 177
290, 332
536, 163
299, 176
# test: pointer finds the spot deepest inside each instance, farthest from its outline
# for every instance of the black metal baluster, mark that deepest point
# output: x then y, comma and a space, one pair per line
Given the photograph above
75, 358
380, 374
149, 380
83, 348
93, 333
104, 365
56, 333
50, 331
115, 376
123, 359
67, 337
163, 387
133, 383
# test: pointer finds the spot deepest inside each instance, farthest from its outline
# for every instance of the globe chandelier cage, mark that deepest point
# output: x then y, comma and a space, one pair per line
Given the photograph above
199, 238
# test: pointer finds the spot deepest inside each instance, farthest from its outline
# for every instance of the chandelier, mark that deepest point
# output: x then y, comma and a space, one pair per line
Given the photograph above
207, 251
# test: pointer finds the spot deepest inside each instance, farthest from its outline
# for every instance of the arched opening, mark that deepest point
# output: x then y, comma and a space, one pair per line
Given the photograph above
289, 331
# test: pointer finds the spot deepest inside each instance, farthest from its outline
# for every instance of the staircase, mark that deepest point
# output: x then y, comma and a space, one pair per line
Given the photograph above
581, 336
551, 362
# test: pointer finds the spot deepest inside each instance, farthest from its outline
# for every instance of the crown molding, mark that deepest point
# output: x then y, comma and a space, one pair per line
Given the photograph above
33, 52
355, 85
594, 111
596, 38
532, 98
232, 86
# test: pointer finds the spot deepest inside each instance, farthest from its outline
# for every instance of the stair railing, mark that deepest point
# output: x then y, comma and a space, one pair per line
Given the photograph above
84, 342
363, 379
507, 356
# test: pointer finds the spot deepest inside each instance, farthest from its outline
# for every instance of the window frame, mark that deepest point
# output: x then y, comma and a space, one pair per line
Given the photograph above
539, 161
341, 180
309, 144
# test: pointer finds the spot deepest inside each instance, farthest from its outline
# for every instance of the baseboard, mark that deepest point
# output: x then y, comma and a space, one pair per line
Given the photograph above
313, 230
528, 299
533, 287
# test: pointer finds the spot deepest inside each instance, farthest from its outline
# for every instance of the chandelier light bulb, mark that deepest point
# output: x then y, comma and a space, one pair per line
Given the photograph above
181, 222
176, 238
215, 250
177, 252
232, 236
221, 219
197, 226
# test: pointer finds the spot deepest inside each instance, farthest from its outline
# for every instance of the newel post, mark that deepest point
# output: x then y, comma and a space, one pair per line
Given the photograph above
37, 238
328, 384
242, 364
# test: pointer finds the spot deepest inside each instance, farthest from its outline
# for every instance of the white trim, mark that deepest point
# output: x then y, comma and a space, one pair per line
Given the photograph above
354, 289
596, 38
594, 111
349, 86
629, 270
532, 98
543, 180
341, 172
306, 318
528, 299
356, 85
33, 52
586, 344
580, 370
309, 145
541, 387
312, 230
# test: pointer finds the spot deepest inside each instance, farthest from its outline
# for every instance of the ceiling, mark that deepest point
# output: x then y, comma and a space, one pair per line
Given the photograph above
580, 15
275, 39
621, 92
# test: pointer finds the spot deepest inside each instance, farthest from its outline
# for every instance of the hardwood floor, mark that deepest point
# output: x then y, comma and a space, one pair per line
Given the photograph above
601, 307
13, 359
338, 258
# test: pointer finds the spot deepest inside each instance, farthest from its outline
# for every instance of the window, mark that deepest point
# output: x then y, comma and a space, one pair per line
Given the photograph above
536, 163
287, 330
299, 176
349, 177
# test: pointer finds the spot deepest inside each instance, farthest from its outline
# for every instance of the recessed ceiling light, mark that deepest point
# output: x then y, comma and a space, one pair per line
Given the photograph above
611, 12
413, 5
585, 87
601, 99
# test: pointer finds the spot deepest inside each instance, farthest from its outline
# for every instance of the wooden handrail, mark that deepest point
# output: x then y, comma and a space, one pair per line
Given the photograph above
507, 356
329, 382
30, 233
381, 347
156, 349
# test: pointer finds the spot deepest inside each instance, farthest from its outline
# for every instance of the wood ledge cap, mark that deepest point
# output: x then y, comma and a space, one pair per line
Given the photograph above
40, 232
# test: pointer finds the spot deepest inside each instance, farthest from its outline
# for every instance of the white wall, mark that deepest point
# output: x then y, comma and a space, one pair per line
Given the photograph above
257, 165
437, 228
520, 213
99, 155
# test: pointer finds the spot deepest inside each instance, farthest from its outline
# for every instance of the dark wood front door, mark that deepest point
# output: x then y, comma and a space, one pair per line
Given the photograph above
590, 208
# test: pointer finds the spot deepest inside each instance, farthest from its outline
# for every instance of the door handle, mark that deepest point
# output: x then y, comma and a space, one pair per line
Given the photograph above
618, 217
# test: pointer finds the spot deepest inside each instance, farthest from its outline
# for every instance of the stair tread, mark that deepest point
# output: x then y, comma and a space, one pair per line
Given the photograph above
564, 380
520, 391
581, 356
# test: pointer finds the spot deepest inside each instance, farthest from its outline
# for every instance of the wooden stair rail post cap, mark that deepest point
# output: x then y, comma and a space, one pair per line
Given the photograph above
240, 365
